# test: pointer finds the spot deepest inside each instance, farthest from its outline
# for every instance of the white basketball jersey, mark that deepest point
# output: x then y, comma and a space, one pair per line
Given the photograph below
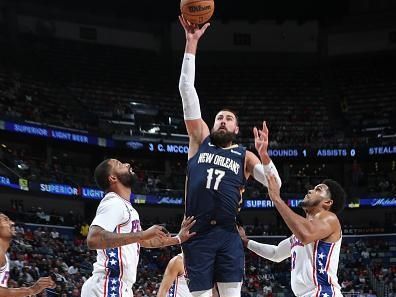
179, 288
117, 265
5, 273
314, 268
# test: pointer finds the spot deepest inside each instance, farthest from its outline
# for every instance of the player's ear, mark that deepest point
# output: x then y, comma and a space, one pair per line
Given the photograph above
112, 179
328, 203
236, 129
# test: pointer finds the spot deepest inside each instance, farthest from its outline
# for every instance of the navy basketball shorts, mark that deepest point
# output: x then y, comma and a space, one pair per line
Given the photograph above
214, 256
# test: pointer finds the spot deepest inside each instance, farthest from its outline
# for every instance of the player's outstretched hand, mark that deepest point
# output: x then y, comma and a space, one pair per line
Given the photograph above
41, 284
154, 231
261, 139
193, 32
273, 188
241, 232
243, 236
184, 233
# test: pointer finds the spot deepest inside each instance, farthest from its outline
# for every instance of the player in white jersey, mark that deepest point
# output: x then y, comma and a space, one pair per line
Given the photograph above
314, 247
174, 283
7, 230
116, 234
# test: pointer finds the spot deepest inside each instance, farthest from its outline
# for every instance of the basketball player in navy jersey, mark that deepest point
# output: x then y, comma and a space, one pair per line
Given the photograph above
7, 231
217, 170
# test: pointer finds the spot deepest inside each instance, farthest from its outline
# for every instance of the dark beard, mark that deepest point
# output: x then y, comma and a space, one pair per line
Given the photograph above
222, 139
127, 179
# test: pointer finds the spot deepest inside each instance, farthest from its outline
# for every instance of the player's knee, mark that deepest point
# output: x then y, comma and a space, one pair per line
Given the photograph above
229, 289
204, 293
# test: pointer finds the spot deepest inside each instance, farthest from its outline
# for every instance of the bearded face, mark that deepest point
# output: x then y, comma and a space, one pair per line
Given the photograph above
224, 129
127, 178
315, 196
222, 138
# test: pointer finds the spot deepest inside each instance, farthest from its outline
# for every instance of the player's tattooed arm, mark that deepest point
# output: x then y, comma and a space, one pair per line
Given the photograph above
98, 238
158, 242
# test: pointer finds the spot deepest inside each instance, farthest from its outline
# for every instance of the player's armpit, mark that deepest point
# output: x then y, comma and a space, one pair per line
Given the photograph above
197, 130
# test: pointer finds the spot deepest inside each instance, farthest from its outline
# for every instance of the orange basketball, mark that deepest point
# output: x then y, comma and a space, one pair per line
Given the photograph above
197, 11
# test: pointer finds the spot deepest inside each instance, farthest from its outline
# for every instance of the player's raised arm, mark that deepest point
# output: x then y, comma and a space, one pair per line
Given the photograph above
173, 270
196, 127
260, 170
275, 253
321, 226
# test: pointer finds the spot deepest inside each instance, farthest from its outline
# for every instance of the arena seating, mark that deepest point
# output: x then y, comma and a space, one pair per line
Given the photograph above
39, 250
109, 90
366, 87
78, 85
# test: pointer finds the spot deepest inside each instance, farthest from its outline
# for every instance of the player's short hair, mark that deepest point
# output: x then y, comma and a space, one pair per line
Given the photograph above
232, 111
337, 194
101, 175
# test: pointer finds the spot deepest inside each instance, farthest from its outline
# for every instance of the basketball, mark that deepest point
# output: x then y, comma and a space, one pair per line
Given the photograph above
197, 11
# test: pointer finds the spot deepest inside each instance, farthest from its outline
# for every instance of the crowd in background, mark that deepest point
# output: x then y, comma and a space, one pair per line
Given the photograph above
40, 251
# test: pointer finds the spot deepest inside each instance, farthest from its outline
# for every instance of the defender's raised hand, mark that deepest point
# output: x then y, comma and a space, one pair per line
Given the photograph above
184, 233
261, 139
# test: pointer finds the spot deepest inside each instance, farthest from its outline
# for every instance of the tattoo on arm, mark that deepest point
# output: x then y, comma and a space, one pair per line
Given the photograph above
113, 239
154, 243
98, 238
157, 242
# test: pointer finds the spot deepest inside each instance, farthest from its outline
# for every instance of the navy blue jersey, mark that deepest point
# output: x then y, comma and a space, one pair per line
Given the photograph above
214, 186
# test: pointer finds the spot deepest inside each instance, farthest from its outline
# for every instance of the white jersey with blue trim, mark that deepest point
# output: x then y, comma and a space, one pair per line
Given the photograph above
179, 288
5, 273
314, 268
118, 266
